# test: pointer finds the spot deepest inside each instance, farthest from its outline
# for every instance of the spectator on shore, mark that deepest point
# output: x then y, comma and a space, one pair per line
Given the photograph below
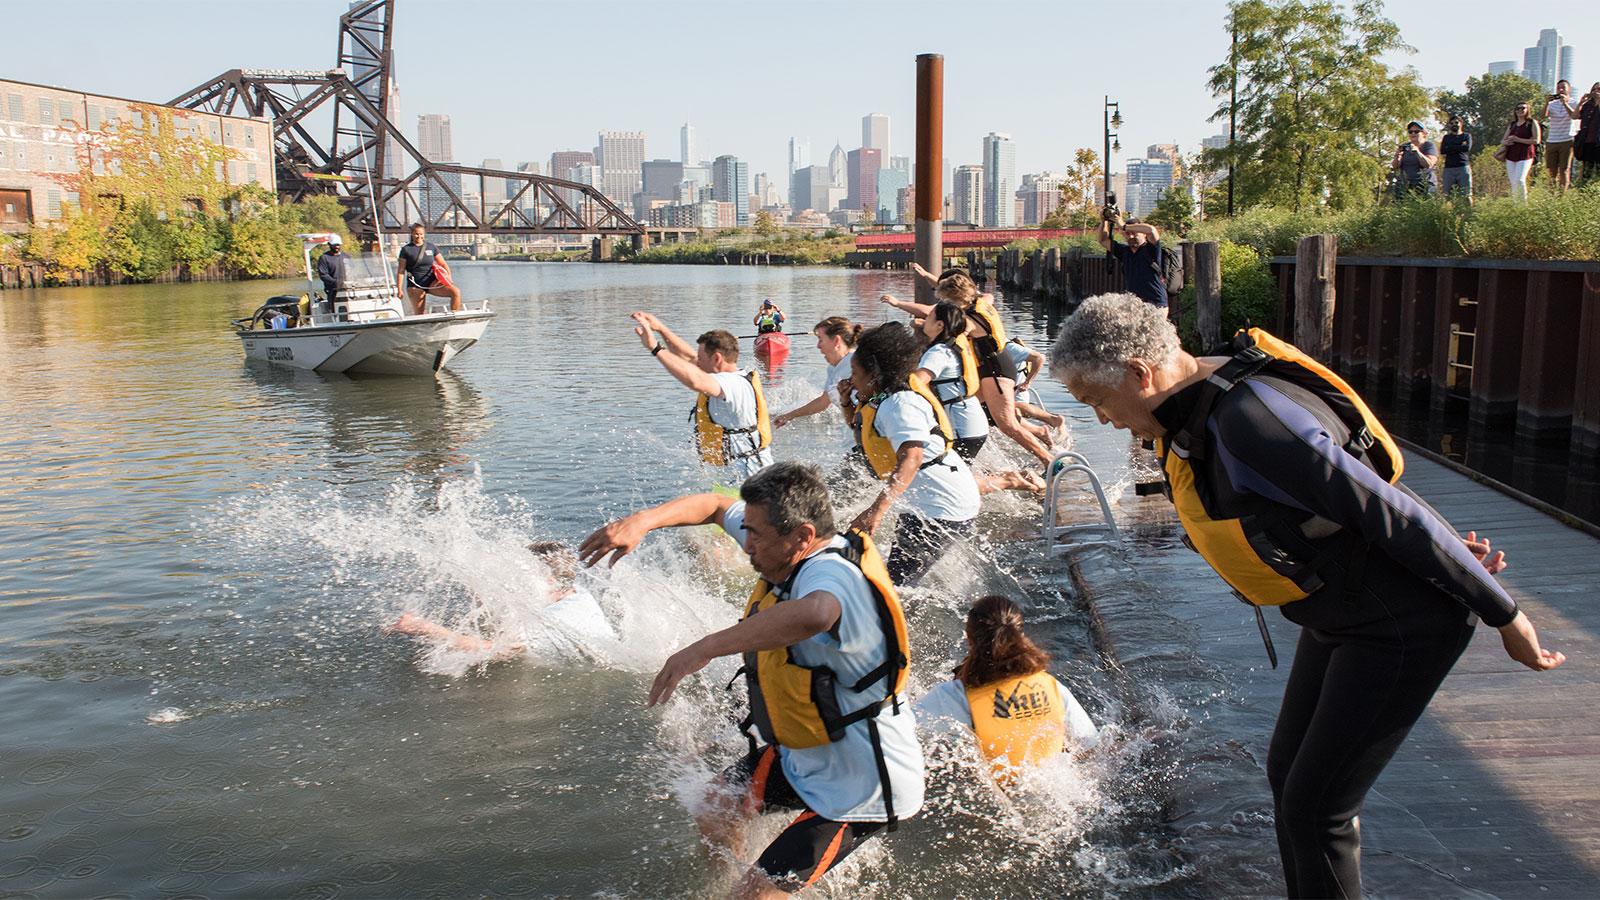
1586, 143
1456, 148
1521, 137
1415, 159
1558, 114
1142, 271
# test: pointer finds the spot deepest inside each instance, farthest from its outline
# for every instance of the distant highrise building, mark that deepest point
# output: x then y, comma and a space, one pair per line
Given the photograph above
686, 145
620, 154
890, 182
1168, 152
529, 201
659, 181
901, 164
1215, 142
999, 180
1040, 195
837, 165
730, 183
1503, 67
1548, 60
966, 195
1148, 179
799, 154
861, 178
875, 132
433, 137
494, 189
808, 189
564, 164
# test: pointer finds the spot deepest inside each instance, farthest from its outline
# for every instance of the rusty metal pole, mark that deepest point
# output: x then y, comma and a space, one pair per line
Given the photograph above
930, 168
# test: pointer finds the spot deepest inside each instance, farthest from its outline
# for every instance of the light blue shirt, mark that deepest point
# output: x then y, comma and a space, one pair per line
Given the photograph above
966, 413
839, 781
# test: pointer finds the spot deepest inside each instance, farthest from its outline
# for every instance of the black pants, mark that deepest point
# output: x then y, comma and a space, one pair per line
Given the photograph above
919, 542
1353, 694
968, 447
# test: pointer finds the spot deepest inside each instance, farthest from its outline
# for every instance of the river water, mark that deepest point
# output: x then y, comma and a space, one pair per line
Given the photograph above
197, 558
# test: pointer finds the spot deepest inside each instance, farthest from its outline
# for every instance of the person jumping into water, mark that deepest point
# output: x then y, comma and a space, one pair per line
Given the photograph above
1289, 487
731, 424
418, 276
826, 658
769, 319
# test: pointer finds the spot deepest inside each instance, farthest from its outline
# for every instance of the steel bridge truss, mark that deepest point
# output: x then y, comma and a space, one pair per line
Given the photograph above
353, 165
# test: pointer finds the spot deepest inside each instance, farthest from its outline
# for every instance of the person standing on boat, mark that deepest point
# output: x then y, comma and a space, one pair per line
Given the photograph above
769, 319
731, 425
331, 269
1289, 487
419, 264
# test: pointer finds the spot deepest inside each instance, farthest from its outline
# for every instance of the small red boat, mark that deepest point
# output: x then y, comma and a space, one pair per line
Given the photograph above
774, 345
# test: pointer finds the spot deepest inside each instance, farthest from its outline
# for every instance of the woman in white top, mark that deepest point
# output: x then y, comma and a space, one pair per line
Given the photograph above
836, 340
942, 370
1004, 693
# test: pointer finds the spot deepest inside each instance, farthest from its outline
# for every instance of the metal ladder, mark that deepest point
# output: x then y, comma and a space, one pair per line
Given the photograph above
1098, 534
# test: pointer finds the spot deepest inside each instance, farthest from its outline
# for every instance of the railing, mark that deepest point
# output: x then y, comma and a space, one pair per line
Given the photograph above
1080, 535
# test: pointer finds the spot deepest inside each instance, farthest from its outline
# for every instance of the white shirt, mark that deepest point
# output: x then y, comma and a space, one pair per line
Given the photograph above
839, 780
945, 490
736, 408
945, 706
1016, 356
1559, 126
837, 372
571, 625
966, 415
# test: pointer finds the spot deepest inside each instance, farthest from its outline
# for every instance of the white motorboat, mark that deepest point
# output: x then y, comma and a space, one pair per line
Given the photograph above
368, 328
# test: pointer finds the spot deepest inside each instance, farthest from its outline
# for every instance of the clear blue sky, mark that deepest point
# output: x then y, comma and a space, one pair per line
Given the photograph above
522, 78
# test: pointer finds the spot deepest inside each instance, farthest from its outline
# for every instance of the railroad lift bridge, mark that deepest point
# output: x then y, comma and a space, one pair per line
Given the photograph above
375, 170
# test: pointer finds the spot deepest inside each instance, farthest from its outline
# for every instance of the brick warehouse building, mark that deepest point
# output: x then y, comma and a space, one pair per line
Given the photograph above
41, 127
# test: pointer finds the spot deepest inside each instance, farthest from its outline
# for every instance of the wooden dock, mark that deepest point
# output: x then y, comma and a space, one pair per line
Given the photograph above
1497, 791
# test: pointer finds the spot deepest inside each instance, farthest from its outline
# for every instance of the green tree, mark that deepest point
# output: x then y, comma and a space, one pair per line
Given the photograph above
1175, 210
1485, 106
1318, 110
1078, 182
765, 224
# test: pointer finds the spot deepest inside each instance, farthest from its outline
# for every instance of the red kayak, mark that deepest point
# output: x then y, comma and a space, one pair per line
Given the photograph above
774, 345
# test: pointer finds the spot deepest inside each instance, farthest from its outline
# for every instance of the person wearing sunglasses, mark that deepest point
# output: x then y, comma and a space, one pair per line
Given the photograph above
1521, 137
1415, 159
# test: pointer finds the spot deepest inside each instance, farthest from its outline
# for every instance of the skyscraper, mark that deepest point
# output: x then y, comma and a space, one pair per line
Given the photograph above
660, 179
999, 180
861, 179
1502, 67
808, 189
433, 137
1548, 60
966, 195
875, 132
799, 158
620, 156
1148, 179
890, 182
730, 183
564, 164
686, 145
837, 164
1040, 194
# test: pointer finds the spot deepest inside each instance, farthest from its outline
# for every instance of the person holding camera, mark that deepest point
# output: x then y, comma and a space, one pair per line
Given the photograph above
1414, 159
1142, 271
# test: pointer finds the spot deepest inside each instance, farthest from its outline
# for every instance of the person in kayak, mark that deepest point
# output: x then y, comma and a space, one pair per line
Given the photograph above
826, 657
419, 276
1289, 487
769, 319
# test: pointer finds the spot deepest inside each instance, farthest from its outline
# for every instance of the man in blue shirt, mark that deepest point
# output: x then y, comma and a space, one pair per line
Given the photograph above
1142, 272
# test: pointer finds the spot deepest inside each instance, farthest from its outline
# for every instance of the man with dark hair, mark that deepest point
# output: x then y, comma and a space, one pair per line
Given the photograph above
825, 657
1143, 273
732, 428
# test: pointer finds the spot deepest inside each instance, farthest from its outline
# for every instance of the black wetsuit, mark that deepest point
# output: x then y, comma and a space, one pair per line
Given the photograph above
417, 262
1392, 617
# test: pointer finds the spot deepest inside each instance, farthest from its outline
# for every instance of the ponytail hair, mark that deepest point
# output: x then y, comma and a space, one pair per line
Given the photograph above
956, 286
952, 318
842, 328
998, 648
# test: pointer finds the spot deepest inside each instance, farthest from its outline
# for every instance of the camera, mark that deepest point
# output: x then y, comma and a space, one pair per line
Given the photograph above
1109, 212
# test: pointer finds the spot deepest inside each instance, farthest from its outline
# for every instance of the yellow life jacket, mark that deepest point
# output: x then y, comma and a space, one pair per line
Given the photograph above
713, 440
967, 377
880, 453
797, 706
1019, 721
984, 311
1246, 557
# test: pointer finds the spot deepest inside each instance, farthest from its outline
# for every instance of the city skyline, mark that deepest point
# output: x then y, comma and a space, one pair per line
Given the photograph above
825, 108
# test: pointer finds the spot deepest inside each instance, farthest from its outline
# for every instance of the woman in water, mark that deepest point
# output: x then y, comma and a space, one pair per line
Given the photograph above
836, 341
1004, 693
949, 371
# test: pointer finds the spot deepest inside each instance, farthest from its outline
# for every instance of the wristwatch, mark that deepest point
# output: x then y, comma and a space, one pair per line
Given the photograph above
656, 350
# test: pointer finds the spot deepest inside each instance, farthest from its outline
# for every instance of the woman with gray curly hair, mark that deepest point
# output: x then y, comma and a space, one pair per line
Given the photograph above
1289, 487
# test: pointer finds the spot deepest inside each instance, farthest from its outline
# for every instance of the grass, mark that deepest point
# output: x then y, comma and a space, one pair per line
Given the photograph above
784, 250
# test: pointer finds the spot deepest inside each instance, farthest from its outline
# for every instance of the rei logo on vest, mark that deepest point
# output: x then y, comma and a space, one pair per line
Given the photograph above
1019, 705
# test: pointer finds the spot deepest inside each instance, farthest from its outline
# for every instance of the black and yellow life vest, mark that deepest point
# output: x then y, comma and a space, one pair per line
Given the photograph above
984, 311
714, 441
880, 452
1244, 552
1019, 721
797, 706
967, 377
